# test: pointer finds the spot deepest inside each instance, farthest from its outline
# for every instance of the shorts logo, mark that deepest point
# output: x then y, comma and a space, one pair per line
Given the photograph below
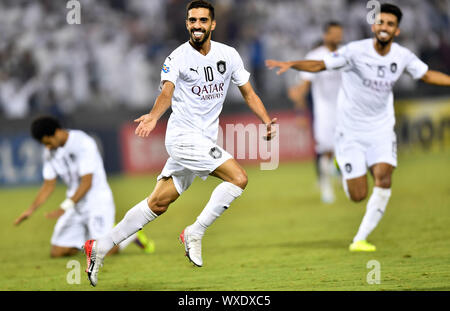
348, 167
215, 153
165, 68
221, 66
394, 67
72, 157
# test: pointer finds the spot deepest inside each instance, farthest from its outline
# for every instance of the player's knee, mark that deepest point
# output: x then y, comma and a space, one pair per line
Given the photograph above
383, 182
240, 180
158, 205
56, 252
358, 195
158, 210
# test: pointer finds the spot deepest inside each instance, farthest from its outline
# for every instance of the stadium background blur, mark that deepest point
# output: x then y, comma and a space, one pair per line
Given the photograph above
101, 74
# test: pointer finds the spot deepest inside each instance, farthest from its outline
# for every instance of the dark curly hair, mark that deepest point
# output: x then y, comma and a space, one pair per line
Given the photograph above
392, 9
44, 126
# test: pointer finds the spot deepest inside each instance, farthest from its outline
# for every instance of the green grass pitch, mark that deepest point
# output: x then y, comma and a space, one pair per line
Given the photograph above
277, 236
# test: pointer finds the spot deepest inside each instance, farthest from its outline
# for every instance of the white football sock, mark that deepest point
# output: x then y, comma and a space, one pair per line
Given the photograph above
127, 241
326, 188
374, 212
220, 200
133, 221
345, 187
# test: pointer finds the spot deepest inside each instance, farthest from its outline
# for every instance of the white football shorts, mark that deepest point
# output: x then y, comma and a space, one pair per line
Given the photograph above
197, 156
355, 152
90, 219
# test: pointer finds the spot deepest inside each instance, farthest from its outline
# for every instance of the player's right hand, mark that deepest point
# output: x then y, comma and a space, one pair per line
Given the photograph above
270, 129
146, 124
284, 66
22, 217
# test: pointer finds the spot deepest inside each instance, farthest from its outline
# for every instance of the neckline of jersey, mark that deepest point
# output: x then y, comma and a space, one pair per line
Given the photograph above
69, 138
194, 50
378, 54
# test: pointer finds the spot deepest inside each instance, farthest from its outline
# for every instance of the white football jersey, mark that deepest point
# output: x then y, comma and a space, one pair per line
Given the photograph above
201, 84
325, 84
78, 157
366, 101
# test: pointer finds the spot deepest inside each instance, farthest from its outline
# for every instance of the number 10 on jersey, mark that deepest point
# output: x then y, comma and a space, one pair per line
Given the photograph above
209, 76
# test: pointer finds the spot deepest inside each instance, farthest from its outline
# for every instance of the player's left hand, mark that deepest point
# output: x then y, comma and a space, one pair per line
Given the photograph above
55, 214
270, 130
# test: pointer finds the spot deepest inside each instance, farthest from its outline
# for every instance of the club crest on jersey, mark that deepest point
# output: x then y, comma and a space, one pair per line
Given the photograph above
165, 68
394, 67
221, 66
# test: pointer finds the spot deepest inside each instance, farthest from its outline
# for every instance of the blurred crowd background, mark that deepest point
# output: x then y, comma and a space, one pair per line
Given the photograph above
112, 60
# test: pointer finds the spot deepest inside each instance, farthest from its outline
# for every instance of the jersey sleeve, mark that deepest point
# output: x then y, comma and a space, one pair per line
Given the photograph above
170, 70
415, 67
48, 173
239, 75
337, 60
86, 157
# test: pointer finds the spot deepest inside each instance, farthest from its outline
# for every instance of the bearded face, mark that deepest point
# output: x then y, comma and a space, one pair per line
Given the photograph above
199, 26
386, 28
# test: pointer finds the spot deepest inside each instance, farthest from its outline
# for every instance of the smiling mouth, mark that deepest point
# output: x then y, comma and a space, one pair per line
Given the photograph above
383, 35
197, 34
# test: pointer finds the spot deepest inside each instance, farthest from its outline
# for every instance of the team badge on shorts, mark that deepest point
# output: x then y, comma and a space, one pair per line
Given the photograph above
221, 66
348, 167
215, 153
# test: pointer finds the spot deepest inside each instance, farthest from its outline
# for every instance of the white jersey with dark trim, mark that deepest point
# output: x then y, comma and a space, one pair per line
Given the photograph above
78, 157
201, 84
365, 101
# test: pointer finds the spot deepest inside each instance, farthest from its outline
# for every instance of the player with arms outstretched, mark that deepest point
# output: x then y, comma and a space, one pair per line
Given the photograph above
365, 117
194, 82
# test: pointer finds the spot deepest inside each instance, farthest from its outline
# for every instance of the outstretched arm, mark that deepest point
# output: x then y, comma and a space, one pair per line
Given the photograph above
436, 77
147, 122
256, 105
300, 65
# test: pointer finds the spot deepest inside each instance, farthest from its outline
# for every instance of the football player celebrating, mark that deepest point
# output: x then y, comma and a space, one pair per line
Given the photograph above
365, 115
194, 82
